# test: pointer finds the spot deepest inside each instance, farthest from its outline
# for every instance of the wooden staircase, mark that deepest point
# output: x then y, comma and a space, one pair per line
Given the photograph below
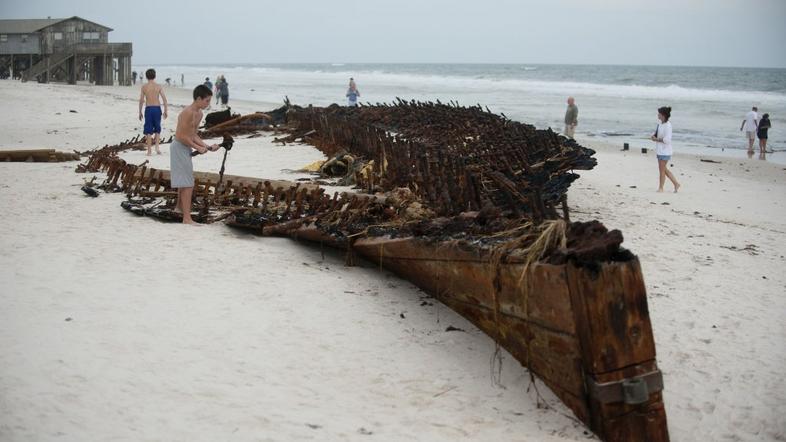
48, 64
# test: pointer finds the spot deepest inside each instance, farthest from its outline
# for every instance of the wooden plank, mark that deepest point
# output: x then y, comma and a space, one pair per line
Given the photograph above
236, 179
158, 193
615, 335
543, 297
647, 424
158, 181
408, 248
138, 180
551, 355
149, 179
36, 155
26, 152
612, 316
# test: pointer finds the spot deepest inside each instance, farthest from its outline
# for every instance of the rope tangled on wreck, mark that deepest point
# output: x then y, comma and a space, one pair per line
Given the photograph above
535, 243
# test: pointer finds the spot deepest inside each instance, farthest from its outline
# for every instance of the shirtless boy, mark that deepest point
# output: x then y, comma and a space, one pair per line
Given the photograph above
149, 95
186, 138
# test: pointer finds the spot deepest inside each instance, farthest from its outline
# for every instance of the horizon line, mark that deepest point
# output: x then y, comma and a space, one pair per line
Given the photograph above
456, 63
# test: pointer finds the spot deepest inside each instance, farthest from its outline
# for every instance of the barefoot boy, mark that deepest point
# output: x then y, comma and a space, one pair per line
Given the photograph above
149, 95
186, 138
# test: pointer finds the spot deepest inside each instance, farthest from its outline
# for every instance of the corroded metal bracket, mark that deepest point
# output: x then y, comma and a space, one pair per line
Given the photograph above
635, 390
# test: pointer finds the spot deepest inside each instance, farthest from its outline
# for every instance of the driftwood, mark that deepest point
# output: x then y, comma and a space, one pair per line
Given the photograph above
37, 156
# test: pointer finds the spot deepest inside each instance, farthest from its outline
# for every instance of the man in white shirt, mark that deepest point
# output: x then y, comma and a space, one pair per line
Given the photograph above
750, 124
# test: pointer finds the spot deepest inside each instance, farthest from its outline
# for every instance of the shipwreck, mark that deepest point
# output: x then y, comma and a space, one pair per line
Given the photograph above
471, 207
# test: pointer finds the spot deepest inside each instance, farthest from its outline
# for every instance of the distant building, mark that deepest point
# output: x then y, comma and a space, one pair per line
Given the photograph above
62, 49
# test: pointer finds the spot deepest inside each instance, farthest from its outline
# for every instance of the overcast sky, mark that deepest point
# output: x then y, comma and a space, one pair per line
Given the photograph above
749, 33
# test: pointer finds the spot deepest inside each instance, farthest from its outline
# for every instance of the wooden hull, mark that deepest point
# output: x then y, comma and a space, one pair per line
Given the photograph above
571, 326
585, 332
584, 329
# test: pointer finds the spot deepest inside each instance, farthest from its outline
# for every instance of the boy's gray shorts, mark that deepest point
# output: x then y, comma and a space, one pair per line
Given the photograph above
182, 173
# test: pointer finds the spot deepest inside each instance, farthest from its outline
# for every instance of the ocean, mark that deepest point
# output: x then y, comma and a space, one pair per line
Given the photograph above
616, 103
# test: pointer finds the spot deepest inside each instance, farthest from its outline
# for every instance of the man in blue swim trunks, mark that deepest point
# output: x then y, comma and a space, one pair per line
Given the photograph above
149, 99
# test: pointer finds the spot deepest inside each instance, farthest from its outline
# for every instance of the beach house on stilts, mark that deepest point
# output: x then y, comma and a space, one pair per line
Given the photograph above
64, 50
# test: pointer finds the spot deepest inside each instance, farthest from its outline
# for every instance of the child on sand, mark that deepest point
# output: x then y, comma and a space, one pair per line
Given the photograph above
186, 138
148, 97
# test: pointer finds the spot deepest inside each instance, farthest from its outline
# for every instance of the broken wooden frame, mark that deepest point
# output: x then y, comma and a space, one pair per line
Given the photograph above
464, 201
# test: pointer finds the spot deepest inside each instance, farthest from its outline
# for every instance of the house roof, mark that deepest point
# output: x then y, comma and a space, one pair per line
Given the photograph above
28, 26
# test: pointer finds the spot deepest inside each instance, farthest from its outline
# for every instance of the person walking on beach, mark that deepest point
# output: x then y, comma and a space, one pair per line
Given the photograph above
215, 89
352, 93
209, 84
663, 151
133, 77
571, 118
223, 91
182, 80
186, 139
149, 98
750, 125
763, 127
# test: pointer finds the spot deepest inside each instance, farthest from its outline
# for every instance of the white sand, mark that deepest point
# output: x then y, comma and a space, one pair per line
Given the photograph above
180, 333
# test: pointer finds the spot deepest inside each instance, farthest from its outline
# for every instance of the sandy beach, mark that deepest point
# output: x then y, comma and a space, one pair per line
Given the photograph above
115, 327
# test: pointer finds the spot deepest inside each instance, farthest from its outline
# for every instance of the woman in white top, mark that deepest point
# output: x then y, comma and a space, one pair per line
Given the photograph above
662, 139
